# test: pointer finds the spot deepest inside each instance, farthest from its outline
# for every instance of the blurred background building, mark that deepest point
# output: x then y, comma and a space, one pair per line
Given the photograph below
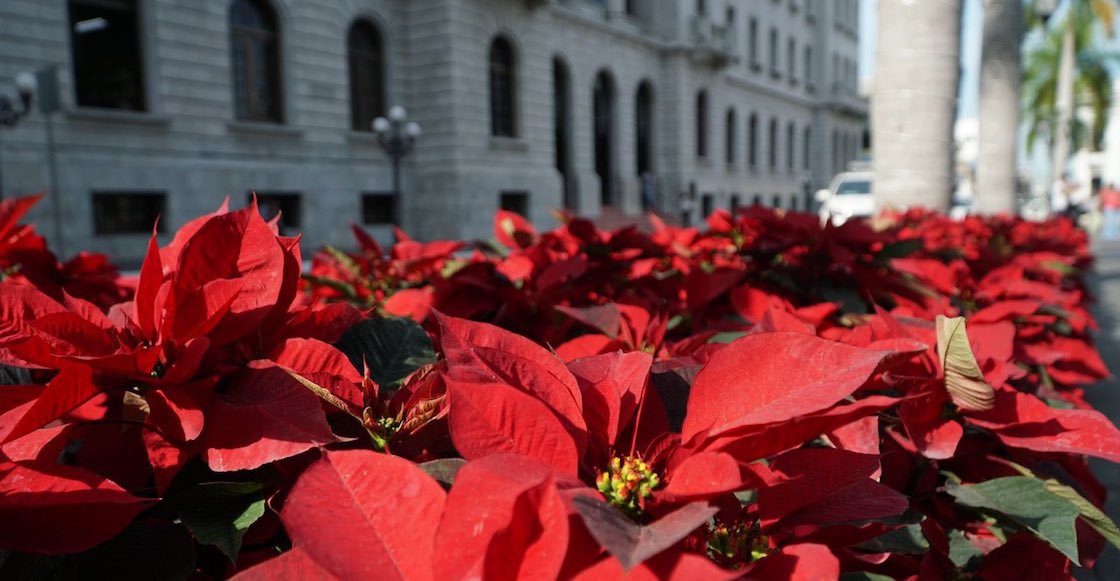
166, 107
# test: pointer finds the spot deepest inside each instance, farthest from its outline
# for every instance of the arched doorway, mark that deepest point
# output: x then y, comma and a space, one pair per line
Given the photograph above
603, 99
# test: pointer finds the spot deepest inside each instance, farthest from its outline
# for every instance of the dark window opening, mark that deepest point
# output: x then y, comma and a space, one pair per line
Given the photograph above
757, 201
286, 204
773, 144
255, 45
774, 51
128, 212
644, 129
516, 202
806, 154
707, 204
790, 147
752, 142
367, 81
735, 203
379, 208
730, 130
752, 42
603, 118
106, 51
702, 124
561, 119
502, 87
791, 59
777, 200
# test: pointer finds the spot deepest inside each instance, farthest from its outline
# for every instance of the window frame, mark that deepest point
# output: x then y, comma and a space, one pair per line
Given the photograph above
702, 106
502, 123
243, 76
371, 63
101, 228
393, 215
140, 100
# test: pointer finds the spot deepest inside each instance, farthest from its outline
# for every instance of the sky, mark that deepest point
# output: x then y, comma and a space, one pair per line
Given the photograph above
971, 34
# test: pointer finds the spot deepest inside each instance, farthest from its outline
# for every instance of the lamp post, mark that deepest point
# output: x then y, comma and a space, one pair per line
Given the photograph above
397, 136
10, 115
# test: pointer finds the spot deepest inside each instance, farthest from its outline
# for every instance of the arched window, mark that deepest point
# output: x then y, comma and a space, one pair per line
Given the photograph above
106, 51
730, 132
752, 141
367, 75
773, 144
643, 112
702, 124
603, 118
561, 122
502, 89
255, 45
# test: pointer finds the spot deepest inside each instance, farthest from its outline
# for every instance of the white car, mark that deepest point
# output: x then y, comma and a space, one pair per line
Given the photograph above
848, 197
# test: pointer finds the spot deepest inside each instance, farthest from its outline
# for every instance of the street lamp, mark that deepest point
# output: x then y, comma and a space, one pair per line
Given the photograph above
25, 86
397, 136
9, 114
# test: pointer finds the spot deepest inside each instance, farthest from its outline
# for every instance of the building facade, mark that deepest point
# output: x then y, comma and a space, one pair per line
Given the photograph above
169, 106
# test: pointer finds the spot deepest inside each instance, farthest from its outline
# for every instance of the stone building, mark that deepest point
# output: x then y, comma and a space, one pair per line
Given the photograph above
169, 106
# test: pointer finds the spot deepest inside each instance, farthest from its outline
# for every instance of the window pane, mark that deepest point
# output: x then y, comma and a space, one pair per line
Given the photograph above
702, 124
366, 76
379, 208
105, 44
127, 212
516, 202
255, 61
501, 89
730, 137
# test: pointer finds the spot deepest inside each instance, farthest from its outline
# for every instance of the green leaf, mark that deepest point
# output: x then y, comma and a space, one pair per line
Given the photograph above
1026, 503
393, 348
219, 513
864, 576
907, 540
961, 551
727, 337
901, 249
963, 379
1092, 515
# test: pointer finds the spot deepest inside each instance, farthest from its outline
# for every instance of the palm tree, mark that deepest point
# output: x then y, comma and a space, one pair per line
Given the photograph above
1075, 37
1000, 80
1091, 88
914, 102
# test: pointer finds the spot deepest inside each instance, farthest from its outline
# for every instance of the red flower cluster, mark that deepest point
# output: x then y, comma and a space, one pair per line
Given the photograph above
768, 399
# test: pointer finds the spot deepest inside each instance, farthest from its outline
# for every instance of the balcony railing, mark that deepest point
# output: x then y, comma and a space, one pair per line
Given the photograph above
713, 44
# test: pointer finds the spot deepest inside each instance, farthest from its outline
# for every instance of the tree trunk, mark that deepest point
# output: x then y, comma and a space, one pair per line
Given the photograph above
1064, 103
914, 103
1000, 80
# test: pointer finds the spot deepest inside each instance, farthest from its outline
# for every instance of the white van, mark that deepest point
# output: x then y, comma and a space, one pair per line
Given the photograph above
848, 197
